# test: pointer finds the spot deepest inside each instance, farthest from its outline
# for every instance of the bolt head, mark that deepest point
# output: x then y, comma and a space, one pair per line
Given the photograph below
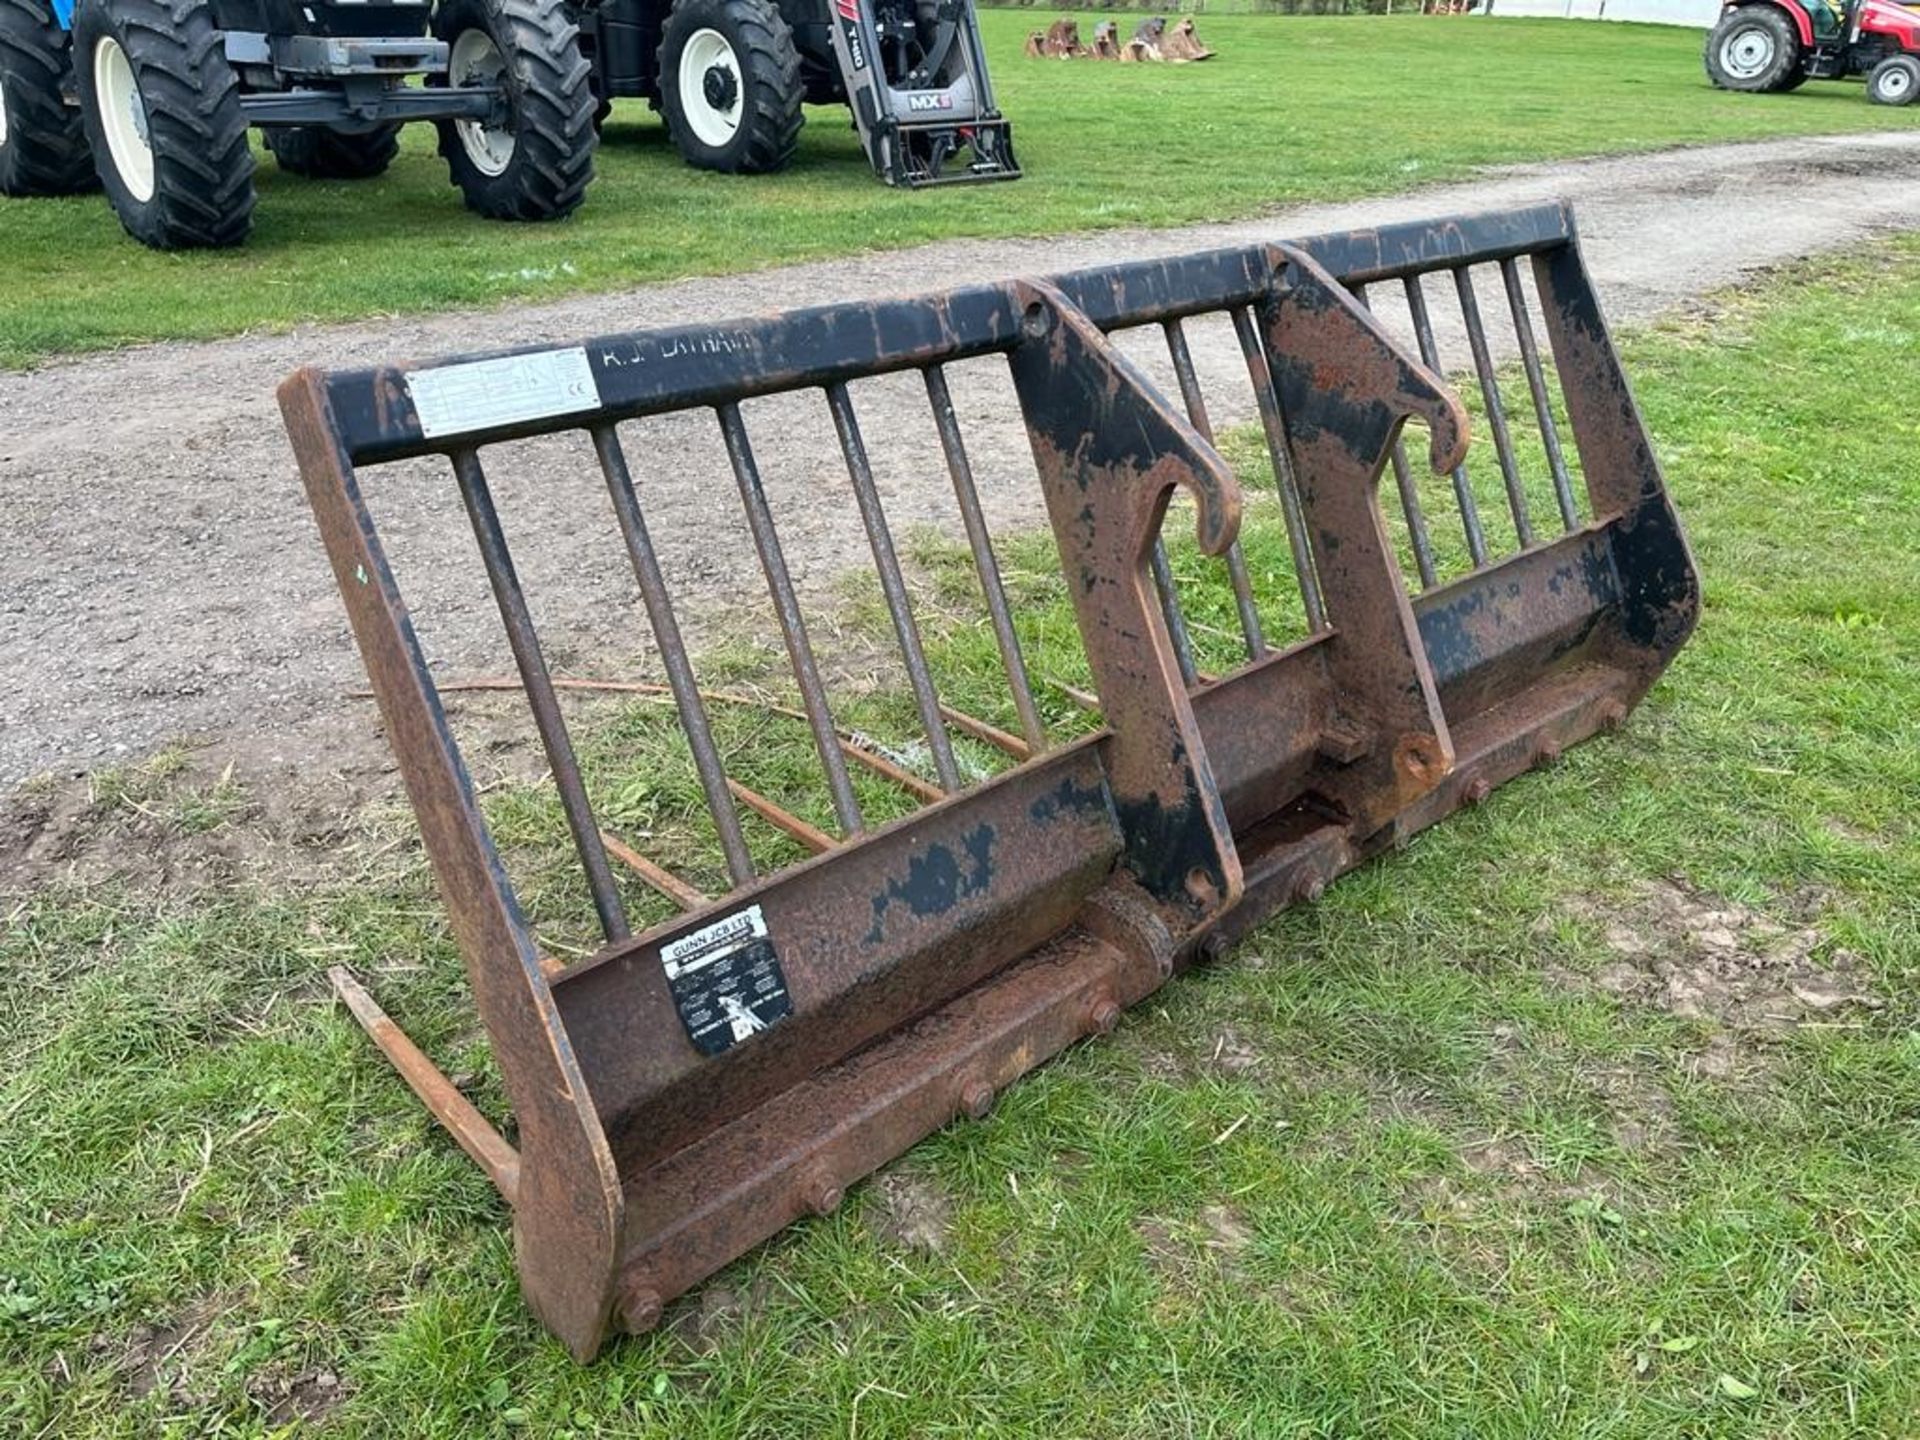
1103, 1016
1477, 790
824, 1197
977, 1099
640, 1308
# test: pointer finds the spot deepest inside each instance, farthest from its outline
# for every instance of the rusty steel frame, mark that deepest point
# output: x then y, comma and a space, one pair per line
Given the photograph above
928, 962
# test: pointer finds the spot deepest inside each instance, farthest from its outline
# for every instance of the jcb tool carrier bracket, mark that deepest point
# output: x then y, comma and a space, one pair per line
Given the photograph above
684, 1093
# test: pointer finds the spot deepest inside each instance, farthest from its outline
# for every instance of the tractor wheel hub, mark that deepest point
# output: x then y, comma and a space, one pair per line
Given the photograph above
1748, 52
720, 86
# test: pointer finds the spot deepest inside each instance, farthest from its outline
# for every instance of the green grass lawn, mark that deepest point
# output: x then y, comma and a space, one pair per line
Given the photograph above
1431, 1157
1293, 109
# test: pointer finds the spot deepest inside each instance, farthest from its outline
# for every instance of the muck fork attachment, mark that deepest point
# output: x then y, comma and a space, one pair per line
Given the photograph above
692, 1086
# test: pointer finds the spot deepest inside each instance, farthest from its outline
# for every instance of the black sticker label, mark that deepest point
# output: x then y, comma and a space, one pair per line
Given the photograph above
726, 981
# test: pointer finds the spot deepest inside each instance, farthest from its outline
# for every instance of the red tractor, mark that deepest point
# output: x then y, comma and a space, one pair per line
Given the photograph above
1781, 44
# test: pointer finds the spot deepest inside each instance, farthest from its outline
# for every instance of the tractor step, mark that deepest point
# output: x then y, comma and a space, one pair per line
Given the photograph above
692, 1086
381, 105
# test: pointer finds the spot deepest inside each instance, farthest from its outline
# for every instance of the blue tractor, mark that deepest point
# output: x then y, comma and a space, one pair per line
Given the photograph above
152, 100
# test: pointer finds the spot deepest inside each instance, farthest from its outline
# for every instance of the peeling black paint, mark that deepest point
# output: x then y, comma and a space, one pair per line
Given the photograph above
1600, 575
1360, 427
1659, 598
1167, 844
1450, 644
938, 880
1069, 800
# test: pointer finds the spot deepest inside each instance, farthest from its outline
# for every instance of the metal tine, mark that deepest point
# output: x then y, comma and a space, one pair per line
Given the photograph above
984, 563
1542, 401
1409, 494
987, 734
1170, 608
793, 629
471, 1130
1085, 699
1496, 409
811, 836
541, 696
657, 877
1196, 404
1275, 426
1430, 356
892, 584
694, 720
883, 767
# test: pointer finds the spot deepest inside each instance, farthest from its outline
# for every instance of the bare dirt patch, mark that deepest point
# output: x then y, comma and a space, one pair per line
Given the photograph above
910, 1211
305, 1399
1700, 957
1843, 829
1234, 1055
1640, 1108
1213, 1243
1499, 1155
160, 1358
185, 824
706, 1319
1471, 1220
1449, 1218
1223, 1054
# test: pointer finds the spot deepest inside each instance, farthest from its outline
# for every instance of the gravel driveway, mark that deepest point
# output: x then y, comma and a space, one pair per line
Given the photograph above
163, 578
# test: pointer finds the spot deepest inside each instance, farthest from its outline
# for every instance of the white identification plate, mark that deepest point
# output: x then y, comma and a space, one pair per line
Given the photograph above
481, 394
715, 942
726, 981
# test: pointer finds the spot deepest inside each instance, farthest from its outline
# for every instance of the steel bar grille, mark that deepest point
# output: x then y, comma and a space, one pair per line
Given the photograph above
1234, 304
985, 566
672, 649
992, 886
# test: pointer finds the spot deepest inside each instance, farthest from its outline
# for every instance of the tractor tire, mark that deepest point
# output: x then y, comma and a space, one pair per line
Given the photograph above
730, 85
537, 163
43, 145
321, 152
162, 111
1754, 48
1894, 81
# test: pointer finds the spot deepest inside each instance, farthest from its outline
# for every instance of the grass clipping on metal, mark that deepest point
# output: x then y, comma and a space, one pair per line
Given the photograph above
1593, 1110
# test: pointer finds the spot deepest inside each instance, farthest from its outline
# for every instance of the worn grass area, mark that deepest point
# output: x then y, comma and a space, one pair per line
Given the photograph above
1592, 1112
1294, 109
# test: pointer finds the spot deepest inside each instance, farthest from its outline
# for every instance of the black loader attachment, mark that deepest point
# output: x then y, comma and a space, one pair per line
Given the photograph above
691, 1086
730, 75
916, 77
